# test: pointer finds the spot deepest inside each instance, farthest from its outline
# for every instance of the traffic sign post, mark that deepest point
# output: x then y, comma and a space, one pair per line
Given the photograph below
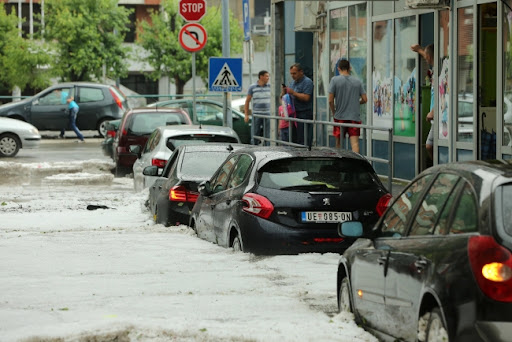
192, 10
193, 37
225, 74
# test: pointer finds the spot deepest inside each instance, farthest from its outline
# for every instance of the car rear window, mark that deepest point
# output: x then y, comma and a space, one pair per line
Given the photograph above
318, 174
145, 123
91, 95
188, 139
202, 164
506, 207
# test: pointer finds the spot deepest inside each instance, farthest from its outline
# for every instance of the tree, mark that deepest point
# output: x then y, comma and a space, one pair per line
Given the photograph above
23, 63
88, 35
166, 56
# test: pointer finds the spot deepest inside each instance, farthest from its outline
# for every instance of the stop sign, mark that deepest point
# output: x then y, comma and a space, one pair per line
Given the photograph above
192, 10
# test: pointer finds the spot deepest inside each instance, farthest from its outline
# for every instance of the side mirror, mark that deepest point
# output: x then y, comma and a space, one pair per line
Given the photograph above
150, 171
204, 188
135, 149
350, 229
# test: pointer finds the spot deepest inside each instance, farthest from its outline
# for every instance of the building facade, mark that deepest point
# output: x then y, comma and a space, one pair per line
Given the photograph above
471, 79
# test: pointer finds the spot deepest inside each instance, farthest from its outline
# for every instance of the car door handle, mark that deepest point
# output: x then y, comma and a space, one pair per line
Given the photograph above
382, 260
420, 264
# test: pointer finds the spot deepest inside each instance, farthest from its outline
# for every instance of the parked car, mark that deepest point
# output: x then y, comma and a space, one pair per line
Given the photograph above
47, 111
135, 128
173, 195
164, 140
438, 264
111, 128
273, 200
16, 134
210, 112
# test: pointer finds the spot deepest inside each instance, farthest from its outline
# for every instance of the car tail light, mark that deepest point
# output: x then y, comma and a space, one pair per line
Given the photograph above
383, 204
158, 162
491, 264
257, 205
116, 99
181, 194
111, 134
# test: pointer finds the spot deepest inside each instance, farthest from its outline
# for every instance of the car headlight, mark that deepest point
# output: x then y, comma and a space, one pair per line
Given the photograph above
34, 131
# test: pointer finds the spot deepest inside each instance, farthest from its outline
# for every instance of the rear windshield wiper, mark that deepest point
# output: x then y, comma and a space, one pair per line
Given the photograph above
307, 187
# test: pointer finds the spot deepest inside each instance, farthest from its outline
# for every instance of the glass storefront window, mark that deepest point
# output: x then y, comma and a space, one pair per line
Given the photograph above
443, 83
382, 73
358, 51
339, 37
465, 75
405, 77
507, 71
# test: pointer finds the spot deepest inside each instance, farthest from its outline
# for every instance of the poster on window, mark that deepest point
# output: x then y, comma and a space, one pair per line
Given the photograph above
444, 98
382, 97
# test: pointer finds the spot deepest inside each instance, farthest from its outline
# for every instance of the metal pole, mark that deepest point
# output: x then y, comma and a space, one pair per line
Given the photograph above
225, 53
194, 85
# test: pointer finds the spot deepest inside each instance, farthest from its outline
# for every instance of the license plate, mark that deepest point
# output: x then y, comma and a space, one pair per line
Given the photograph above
326, 216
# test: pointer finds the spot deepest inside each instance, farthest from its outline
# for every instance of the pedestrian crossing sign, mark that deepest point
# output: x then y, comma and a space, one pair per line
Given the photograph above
225, 74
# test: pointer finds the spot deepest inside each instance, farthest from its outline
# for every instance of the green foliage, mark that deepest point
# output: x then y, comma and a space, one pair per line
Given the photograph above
168, 58
88, 35
23, 63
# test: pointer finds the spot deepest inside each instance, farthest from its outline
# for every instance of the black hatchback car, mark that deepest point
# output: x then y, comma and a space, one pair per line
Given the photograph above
172, 196
46, 110
280, 200
438, 264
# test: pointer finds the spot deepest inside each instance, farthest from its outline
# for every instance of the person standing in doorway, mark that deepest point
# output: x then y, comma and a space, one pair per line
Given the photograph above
73, 112
301, 90
428, 54
259, 92
346, 94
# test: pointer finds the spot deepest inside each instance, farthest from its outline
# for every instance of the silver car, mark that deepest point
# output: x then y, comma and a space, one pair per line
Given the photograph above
16, 134
164, 140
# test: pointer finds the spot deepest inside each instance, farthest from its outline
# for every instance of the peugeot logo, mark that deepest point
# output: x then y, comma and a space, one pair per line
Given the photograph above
327, 201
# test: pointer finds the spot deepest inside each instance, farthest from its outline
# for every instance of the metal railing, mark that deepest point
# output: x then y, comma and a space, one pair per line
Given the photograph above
318, 123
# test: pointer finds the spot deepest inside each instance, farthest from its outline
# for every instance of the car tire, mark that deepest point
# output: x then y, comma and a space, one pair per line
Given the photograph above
237, 244
9, 145
436, 329
101, 127
344, 301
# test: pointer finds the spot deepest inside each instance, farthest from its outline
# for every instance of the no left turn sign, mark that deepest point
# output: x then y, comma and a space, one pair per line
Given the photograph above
193, 37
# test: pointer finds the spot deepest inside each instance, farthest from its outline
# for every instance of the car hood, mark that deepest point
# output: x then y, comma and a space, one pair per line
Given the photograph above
7, 106
12, 124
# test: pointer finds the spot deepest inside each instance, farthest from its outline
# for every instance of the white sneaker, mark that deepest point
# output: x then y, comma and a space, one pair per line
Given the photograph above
80, 141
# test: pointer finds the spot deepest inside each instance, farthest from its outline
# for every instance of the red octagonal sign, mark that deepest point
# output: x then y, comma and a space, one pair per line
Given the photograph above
192, 10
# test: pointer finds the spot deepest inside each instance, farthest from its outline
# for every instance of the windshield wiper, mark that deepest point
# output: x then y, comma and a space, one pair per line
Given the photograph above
307, 187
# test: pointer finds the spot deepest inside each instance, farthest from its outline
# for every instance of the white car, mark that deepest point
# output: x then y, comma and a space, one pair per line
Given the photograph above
163, 142
16, 134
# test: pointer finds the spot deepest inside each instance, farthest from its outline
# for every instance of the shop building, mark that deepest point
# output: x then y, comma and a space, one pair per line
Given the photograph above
471, 77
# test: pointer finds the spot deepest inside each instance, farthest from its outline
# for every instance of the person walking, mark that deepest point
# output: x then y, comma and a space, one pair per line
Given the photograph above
301, 90
428, 54
346, 94
73, 112
259, 93
62, 95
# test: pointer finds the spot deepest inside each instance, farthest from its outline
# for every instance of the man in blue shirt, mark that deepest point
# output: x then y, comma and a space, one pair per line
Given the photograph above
73, 111
301, 89
259, 93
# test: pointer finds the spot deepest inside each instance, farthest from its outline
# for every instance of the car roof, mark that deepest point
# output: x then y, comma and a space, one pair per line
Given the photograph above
169, 131
72, 84
265, 154
478, 172
156, 110
210, 147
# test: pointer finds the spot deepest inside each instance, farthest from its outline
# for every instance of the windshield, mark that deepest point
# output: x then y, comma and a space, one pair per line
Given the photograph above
506, 207
318, 174
145, 123
202, 164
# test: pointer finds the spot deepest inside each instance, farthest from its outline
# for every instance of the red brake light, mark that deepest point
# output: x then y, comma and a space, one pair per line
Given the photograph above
491, 264
257, 205
383, 204
181, 194
111, 134
158, 162
116, 99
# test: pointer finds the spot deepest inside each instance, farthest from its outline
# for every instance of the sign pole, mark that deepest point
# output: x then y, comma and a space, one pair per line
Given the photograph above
194, 84
228, 121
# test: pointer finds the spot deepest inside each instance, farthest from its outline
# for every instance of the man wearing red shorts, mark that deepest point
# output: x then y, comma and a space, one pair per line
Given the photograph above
348, 93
